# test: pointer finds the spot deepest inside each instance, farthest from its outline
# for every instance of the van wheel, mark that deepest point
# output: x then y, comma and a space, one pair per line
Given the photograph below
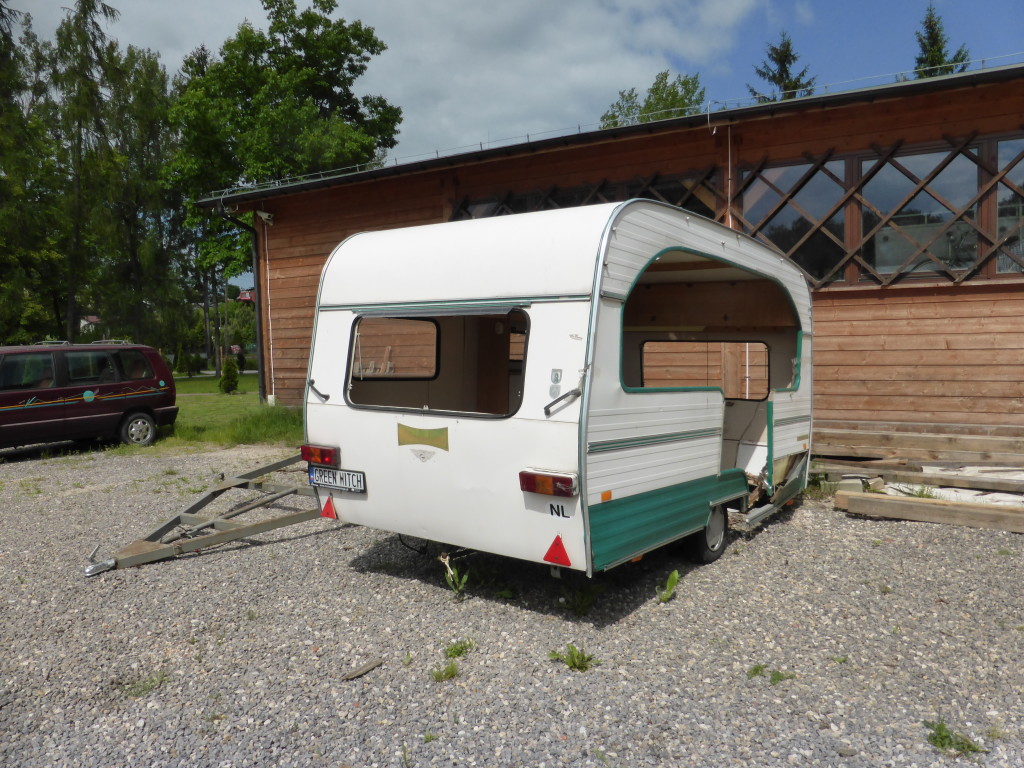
138, 429
708, 545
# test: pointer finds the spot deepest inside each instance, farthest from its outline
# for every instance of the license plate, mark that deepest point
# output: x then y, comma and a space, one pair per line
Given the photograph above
339, 479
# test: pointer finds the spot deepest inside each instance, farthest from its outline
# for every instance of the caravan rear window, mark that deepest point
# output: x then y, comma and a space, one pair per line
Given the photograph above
465, 363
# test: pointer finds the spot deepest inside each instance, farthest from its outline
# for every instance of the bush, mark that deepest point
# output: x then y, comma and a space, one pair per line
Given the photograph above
229, 379
240, 359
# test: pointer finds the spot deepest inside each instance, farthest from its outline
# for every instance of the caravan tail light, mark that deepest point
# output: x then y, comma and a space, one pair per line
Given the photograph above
548, 483
320, 454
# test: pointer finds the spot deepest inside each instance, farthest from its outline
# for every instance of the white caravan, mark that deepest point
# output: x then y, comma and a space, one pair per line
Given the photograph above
573, 387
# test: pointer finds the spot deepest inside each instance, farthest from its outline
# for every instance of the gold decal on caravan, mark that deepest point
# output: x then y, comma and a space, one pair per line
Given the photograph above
436, 438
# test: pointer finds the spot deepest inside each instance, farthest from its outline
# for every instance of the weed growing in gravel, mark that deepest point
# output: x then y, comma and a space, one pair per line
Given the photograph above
456, 581
459, 648
667, 592
581, 599
946, 740
251, 615
407, 660
840, 659
145, 686
574, 658
429, 736
820, 489
756, 671
406, 759
885, 589
1006, 552
995, 732
447, 672
778, 676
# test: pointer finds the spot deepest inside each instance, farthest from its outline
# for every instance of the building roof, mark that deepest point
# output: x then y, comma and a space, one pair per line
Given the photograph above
767, 110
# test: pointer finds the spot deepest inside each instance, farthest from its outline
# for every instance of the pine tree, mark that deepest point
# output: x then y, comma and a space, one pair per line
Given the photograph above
933, 58
777, 71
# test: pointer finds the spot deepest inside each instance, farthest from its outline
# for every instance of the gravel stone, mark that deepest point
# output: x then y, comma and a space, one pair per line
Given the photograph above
820, 640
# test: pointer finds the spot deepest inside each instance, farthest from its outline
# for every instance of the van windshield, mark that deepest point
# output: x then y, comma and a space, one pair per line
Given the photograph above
465, 363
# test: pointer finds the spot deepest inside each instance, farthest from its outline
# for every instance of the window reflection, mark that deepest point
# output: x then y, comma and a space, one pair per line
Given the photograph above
1010, 208
928, 231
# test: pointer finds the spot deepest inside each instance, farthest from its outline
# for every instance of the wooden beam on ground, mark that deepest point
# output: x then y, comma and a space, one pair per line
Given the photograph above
914, 477
879, 505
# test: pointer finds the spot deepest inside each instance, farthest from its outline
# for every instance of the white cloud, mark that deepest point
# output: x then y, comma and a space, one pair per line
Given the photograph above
465, 71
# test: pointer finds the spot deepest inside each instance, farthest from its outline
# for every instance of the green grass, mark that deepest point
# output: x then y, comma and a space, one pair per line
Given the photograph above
950, 741
234, 419
574, 658
447, 672
248, 383
459, 648
145, 686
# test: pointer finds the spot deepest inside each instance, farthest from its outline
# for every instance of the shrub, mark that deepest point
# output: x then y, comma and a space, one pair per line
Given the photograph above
229, 379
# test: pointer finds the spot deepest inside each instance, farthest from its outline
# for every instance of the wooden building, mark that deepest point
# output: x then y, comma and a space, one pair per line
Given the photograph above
903, 205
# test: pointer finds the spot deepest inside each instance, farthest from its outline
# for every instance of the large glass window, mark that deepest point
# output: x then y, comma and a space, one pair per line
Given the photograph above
1010, 215
466, 363
791, 206
919, 224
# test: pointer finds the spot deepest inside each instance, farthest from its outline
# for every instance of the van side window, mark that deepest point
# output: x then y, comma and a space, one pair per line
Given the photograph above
32, 370
89, 367
738, 368
134, 365
466, 363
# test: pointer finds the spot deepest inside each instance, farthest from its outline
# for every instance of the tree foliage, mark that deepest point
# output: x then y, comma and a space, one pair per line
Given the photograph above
102, 157
664, 99
933, 59
777, 70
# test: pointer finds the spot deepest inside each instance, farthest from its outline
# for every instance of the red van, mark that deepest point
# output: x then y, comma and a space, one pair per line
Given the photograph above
53, 392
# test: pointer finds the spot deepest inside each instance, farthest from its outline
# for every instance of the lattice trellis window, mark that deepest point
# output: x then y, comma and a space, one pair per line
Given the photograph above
939, 212
699, 192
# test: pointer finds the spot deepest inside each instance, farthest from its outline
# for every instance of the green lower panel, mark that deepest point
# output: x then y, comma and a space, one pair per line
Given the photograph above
624, 528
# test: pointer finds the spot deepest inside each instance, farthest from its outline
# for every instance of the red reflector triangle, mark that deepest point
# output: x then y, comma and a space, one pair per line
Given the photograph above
556, 553
328, 510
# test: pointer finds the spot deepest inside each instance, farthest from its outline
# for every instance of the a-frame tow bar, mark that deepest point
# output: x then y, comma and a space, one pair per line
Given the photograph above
189, 532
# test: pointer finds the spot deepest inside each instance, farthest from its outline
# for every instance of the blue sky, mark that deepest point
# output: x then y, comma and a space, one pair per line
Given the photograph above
468, 72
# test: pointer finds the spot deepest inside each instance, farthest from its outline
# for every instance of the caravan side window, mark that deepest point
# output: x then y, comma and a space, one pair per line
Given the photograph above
394, 348
463, 363
738, 368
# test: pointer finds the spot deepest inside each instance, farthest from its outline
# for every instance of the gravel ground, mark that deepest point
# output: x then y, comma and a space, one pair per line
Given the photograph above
861, 630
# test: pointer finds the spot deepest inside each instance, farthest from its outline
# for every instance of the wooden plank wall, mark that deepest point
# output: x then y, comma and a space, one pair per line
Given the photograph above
894, 368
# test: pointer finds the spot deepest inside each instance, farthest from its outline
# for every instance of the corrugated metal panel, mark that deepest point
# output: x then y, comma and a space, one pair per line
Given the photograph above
624, 528
642, 229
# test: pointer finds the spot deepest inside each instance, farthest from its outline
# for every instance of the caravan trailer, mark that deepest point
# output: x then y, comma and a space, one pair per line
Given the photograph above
572, 387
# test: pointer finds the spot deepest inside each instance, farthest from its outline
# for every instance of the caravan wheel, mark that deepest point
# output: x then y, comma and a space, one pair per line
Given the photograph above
708, 545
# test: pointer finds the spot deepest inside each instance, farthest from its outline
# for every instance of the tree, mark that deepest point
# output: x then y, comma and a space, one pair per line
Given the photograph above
664, 99
933, 57
777, 71
30, 189
80, 58
280, 103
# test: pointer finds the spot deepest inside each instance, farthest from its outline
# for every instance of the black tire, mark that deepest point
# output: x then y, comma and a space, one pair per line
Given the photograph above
138, 429
708, 545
